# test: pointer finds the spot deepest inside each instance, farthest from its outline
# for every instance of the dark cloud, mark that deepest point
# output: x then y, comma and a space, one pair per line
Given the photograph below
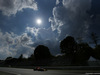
95, 7
9, 7
71, 18
94, 13
95, 25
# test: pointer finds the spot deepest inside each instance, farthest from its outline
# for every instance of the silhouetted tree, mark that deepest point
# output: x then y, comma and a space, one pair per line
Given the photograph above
79, 39
20, 57
8, 58
68, 45
96, 52
41, 52
82, 54
31, 57
94, 38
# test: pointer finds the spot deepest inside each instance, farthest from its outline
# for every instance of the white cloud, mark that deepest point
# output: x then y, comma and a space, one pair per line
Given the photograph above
32, 30
57, 2
9, 7
14, 45
41, 33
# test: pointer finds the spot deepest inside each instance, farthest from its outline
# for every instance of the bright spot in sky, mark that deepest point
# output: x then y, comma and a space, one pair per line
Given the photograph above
38, 21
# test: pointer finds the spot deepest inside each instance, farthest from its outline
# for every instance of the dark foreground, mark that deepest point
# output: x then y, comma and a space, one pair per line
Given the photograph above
4, 73
18, 71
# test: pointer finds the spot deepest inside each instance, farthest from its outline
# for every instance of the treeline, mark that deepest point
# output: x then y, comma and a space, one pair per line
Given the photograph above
74, 53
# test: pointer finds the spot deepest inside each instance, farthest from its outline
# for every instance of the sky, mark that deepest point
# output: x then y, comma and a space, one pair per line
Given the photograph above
20, 33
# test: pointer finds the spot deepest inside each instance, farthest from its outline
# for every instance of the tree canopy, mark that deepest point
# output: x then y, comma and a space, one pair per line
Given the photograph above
42, 52
83, 53
96, 52
68, 45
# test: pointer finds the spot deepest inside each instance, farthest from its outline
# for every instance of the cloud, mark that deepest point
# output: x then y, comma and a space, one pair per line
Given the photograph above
11, 7
57, 2
41, 34
50, 39
34, 31
15, 45
71, 18
47, 37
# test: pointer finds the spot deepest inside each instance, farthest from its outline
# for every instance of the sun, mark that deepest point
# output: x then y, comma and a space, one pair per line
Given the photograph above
39, 21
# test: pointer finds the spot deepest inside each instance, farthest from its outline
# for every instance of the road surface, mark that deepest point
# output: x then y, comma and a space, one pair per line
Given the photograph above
18, 71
